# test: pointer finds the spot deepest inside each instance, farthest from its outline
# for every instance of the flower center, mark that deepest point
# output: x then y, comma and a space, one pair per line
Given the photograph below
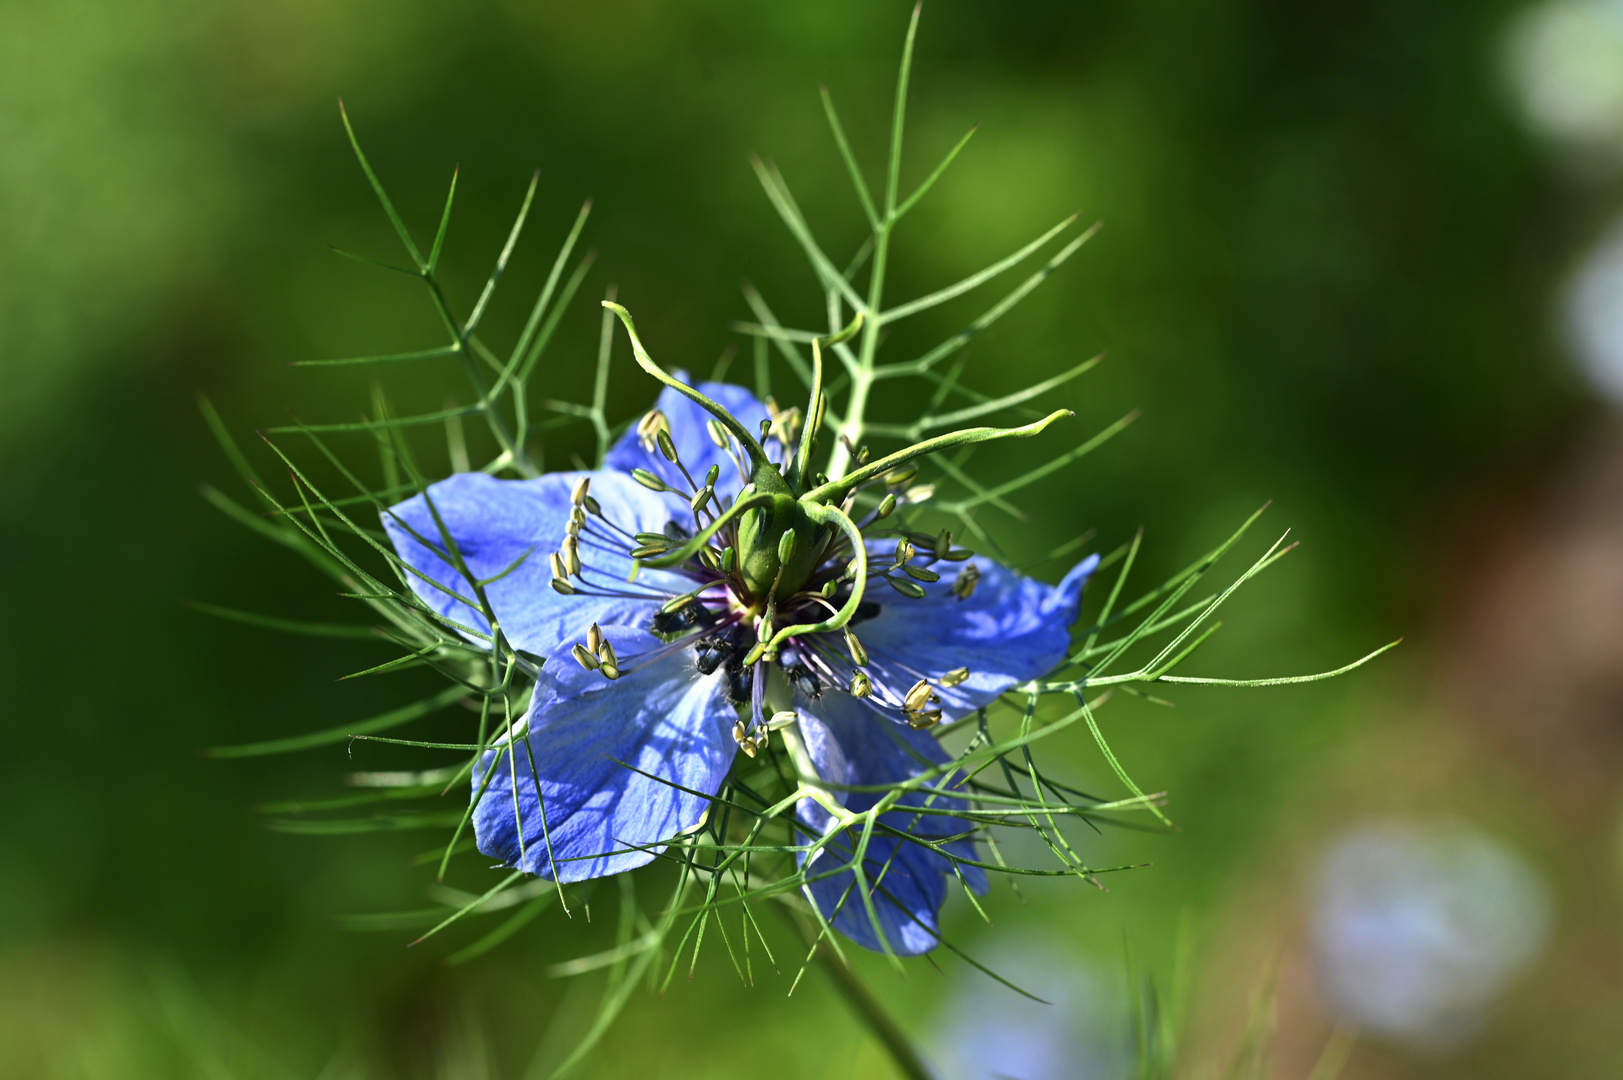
769, 567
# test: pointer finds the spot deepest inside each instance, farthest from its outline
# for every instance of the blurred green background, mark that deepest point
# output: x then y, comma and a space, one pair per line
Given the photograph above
1324, 275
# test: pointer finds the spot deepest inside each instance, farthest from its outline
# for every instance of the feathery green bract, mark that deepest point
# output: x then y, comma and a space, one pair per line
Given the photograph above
714, 878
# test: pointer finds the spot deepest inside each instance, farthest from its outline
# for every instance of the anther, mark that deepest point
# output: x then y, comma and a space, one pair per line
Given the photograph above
560, 569
859, 655
583, 656
943, 543
648, 480
559, 585
919, 493
955, 676
766, 426
861, 685
862, 456
610, 670
919, 573
572, 529
592, 506
886, 505
578, 496
907, 588
786, 546
918, 696
920, 720
710, 559
594, 639
898, 477
712, 476
605, 653
904, 551
666, 447
830, 587
649, 426
760, 738
781, 720
648, 551
718, 433
729, 559
572, 555
963, 586
700, 497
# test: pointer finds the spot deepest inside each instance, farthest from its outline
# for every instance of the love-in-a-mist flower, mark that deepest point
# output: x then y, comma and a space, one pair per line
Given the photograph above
702, 583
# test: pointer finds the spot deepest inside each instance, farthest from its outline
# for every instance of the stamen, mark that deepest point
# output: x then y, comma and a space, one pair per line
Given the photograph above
898, 478
583, 656
919, 573
562, 586
859, 655
649, 480
578, 496
560, 569
963, 586
919, 493
955, 676
666, 447
594, 638
907, 588
571, 554
861, 685
886, 505
919, 695
921, 720
718, 433
649, 426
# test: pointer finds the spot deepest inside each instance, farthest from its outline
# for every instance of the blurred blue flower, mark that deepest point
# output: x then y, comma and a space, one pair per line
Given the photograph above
1417, 930
1079, 1031
644, 700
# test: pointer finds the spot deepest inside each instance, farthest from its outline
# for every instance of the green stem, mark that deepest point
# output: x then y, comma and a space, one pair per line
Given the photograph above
871, 1014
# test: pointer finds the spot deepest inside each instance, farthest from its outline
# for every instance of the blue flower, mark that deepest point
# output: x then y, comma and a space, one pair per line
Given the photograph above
653, 679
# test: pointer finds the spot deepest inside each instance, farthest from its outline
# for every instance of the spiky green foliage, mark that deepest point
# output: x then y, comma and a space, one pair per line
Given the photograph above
712, 882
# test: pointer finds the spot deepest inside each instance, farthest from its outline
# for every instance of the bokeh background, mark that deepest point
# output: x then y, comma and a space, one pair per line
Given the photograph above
1354, 260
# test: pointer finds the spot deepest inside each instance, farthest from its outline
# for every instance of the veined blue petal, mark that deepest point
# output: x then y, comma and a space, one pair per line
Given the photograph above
1011, 629
496, 522
853, 744
691, 435
661, 717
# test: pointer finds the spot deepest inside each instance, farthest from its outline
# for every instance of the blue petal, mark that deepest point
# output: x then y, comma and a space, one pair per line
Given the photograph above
691, 435
496, 522
663, 718
853, 744
1011, 629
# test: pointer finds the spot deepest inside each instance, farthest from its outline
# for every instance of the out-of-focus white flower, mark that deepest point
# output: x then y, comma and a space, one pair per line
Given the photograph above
988, 1031
1417, 929
1592, 313
1565, 65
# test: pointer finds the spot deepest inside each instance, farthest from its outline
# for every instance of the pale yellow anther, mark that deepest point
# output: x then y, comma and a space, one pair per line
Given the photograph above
571, 555
955, 676
578, 496
918, 695
594, 639
861, 685
584, 658
560, 569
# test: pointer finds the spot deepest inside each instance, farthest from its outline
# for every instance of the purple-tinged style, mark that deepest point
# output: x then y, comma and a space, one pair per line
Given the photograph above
652, 679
